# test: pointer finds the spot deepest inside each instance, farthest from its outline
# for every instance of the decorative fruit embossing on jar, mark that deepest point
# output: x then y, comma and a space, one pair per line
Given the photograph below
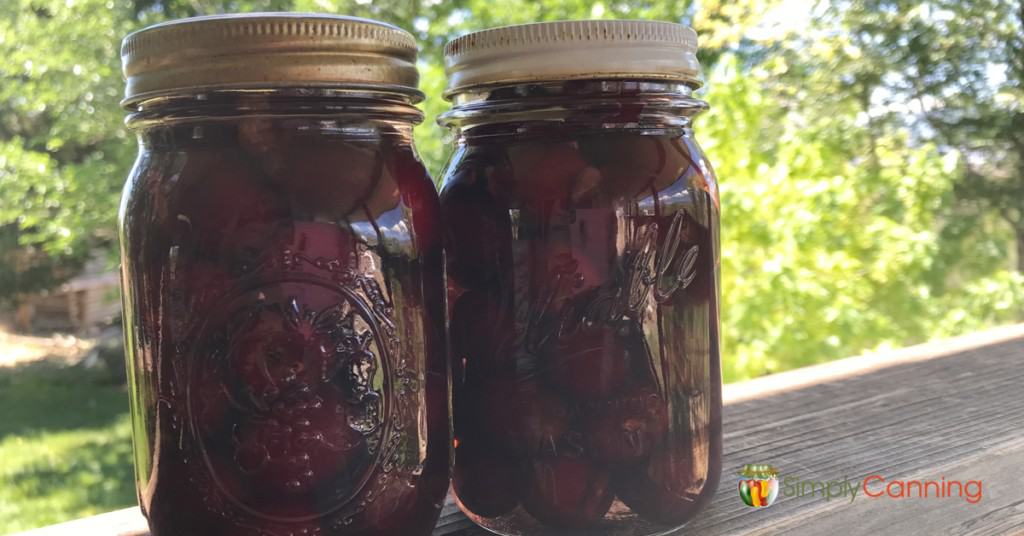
581, 228
283, 283
295, 370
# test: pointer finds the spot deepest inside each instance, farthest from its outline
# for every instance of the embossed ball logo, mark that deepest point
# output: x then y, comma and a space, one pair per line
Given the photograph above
287, 398
759, 485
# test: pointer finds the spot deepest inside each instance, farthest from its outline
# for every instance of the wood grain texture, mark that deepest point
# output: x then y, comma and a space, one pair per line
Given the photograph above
950, 410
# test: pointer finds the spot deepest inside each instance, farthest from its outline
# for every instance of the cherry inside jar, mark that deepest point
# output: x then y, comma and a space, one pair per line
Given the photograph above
283, 298
581, 235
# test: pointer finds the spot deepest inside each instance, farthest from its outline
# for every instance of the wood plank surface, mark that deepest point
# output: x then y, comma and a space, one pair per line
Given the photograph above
950, 410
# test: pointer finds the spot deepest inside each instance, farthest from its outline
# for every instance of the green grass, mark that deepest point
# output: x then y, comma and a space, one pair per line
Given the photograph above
65, 445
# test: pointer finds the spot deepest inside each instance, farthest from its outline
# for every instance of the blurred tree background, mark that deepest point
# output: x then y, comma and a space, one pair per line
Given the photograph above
871, 155
871, 152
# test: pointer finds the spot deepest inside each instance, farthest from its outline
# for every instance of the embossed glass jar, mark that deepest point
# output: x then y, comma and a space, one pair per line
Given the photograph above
581, 234
282, 280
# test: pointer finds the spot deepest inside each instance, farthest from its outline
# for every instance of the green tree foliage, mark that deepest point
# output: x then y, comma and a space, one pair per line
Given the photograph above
850, 218
955, 71
61, 140
833, 228
853, 217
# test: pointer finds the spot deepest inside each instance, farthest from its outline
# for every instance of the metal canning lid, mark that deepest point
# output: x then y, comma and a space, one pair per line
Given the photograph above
267, 50
573, 50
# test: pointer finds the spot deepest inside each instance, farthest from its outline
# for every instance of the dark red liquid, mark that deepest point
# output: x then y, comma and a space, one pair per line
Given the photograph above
583, 293
283, 294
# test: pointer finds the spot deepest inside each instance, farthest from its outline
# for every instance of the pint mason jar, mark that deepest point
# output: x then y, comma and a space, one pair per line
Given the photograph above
582, 251
282, 281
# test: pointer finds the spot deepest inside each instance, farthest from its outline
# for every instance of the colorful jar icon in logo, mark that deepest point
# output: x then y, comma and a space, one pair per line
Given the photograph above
759, 485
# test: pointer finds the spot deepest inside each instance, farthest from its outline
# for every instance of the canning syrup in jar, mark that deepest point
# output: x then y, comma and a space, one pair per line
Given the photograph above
582, 243
282, 281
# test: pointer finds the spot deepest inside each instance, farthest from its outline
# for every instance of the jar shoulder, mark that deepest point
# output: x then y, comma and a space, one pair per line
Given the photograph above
230, 182
584, 169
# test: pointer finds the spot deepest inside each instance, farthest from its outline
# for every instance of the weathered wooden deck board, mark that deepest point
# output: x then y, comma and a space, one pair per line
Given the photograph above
952, 409
927, 414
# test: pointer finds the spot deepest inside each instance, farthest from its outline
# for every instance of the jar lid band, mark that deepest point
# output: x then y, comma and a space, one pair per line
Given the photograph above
572, 50
267, 50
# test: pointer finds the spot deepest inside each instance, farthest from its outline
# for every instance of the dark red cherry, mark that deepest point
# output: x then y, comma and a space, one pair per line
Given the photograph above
296, 528
592, 363
319, 240
227, 200
227, 215
567, 492
263, 461
419, 194
209, 404
282, 455
466, 402
271, 361
477, 234
481, 341
325, 431
546, 171
631, 165
470, 403
333, 179
392, 506
626, 429
485, 481
521, 417
405, 502
559, 163
482, 333
664, 490
198, 276
559, 274
569, 267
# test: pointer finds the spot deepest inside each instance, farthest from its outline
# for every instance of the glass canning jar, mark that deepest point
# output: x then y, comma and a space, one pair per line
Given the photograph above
282, 281
582, 244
